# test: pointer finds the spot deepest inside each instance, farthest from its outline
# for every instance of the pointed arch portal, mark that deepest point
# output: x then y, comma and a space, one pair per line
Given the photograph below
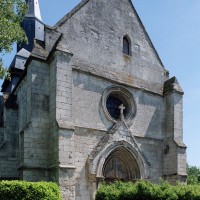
121, 165
117, 160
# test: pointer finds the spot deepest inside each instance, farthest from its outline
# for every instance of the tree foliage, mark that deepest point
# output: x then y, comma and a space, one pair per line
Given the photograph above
11, 16
193, 175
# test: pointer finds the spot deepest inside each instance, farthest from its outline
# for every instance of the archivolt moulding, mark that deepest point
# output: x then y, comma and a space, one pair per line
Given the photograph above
96, 164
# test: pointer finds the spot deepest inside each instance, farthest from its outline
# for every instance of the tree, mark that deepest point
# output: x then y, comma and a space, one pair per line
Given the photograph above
11, 16
193, 175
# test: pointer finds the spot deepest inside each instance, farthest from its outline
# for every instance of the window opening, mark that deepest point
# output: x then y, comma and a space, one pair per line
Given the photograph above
126, 45
113, 104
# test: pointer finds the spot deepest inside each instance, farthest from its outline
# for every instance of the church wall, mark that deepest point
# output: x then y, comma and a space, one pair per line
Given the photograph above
40, 115
91, 123
150, 115
63, 88
178, 116
95, 35
153, 151
85, 142
1, 132
9, 149
170, 148
67, 166
174, 153
53, 138
170, 163
9, 146
64, 149
182, 168
87, 107
23, 98
34, 122
40, 110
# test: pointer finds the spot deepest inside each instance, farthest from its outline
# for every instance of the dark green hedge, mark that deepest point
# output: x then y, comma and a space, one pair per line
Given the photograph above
21, 190
147, 191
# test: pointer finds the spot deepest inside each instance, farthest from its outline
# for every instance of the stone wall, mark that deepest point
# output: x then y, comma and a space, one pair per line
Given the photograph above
33, 98
87, 107
65, 148
174, 162
9, 149
85, 142
53, 137
95, 35
92, 124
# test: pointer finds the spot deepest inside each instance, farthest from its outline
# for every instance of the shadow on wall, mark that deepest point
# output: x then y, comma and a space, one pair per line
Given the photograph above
153, 111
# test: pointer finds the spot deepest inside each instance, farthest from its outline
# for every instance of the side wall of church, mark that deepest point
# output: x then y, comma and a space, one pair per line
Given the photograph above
9, 149
24, 115
53, 137
33, 98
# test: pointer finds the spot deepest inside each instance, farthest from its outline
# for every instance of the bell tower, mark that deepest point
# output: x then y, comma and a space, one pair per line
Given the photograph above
32, 25
34, 29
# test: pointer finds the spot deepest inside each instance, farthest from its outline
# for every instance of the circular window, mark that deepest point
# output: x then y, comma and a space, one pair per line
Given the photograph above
118, 103
114, 103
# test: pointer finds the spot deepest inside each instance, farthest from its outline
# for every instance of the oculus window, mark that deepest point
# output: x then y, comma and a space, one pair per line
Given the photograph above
118, 103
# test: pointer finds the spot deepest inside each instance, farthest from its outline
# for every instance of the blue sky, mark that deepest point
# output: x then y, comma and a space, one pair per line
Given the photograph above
174, 28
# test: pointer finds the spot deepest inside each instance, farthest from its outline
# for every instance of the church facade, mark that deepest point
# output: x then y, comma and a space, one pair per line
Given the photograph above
89, 100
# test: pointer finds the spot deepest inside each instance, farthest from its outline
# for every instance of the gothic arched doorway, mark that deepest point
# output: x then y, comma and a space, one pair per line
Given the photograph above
121, 165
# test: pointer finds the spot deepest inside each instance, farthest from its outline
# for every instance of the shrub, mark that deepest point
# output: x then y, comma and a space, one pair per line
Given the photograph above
193, 173
144, 190
21, 190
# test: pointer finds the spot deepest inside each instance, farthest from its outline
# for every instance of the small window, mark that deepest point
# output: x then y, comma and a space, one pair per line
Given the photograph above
126, 46
1, 121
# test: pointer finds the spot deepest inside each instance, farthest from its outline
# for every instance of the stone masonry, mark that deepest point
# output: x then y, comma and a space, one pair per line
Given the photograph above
93, 102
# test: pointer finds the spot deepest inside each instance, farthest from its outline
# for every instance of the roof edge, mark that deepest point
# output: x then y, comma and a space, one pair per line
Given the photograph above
83, 2
148, 37
35, 57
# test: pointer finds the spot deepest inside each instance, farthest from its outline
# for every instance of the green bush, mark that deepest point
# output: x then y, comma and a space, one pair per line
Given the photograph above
21, 190
193, 173
143, 190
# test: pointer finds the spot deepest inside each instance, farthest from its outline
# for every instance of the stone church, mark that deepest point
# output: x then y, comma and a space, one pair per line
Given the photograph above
89, 100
